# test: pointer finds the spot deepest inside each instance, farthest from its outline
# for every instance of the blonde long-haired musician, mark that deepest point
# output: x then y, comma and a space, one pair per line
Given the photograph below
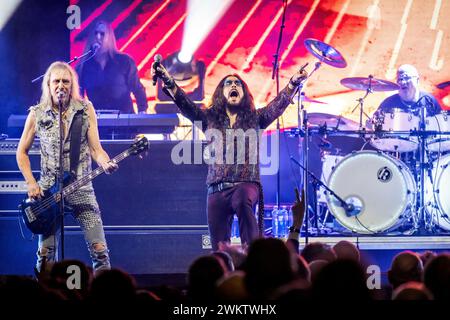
60, 84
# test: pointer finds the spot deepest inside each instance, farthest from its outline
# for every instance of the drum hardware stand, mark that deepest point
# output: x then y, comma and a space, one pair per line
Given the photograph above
316, 207
303, 123
361, 104
325, 54
423, 226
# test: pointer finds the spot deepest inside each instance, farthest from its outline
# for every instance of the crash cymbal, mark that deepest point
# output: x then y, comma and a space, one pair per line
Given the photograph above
443, 85
325, 53
332, 121
362, 83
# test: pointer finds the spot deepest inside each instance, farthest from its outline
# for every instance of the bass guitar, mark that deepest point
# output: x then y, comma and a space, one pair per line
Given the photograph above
39, 215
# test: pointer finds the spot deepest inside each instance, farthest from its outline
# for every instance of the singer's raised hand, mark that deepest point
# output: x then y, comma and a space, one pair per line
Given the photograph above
299, 77
298, 209
159, 71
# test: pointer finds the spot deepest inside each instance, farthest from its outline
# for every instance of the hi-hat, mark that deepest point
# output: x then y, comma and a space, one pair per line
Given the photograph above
325, 53
362, 83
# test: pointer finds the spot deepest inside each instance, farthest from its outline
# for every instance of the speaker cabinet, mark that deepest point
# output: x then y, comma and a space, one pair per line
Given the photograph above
154, 213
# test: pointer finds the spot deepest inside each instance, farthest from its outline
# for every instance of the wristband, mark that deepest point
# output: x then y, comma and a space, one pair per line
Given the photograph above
169, 83
292, 229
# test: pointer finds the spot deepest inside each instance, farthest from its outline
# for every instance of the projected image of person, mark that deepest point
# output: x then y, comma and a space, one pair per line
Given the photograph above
110, 76
233, 183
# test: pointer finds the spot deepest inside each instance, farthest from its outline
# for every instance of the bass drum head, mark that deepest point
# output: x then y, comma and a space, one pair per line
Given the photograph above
437, 195
380, 187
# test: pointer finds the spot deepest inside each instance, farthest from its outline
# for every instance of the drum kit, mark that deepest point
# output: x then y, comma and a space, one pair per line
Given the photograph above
378, 191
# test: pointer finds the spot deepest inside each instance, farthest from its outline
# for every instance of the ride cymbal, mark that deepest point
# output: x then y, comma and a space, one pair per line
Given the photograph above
369, 83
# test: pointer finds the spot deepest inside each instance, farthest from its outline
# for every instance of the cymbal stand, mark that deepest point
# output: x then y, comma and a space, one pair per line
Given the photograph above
422, 226
361, 104
303, 123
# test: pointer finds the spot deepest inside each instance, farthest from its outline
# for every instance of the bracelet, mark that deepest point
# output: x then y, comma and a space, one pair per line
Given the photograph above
169, 83
292, 229
295, 83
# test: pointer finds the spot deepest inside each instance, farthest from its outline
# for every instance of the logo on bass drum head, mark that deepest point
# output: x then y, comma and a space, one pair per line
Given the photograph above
384, 174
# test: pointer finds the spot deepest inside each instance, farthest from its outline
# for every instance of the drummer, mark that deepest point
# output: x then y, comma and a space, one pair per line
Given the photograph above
409, 97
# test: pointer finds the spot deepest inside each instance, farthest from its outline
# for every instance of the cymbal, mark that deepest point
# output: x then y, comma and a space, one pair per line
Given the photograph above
362, 83
332, 121
443, 85
325, 53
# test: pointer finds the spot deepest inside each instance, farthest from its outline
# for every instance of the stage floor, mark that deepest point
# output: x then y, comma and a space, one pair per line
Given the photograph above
364, 242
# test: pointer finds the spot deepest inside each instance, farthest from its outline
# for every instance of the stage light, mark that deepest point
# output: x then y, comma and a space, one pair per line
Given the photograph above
7, 9
182, 68
189, 74
184, 57
202, 16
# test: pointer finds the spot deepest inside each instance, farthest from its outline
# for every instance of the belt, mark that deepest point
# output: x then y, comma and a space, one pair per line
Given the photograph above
217, 187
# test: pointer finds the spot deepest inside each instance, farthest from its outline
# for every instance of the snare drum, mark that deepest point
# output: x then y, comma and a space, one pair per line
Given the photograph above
439, 122
437, 198
380, 187
396, 120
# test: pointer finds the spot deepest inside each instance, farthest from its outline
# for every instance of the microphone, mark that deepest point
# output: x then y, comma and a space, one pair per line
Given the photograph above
61, 95
157, 59
95, 47
350, 208
303, 67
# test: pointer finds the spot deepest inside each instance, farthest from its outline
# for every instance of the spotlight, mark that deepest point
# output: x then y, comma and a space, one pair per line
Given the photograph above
182, 67
184, 57
7, 9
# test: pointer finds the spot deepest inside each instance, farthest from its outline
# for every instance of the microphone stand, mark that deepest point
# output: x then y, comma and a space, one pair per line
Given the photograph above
69, 62
276, 76
319, 182
60, 177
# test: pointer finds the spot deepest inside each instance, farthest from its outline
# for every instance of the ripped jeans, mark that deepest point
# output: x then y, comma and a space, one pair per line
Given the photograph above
87, 213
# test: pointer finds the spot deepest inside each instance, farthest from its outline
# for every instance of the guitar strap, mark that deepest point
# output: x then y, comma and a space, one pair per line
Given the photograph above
75, 140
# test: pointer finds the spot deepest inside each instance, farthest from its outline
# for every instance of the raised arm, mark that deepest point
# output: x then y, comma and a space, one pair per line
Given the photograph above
23, 160
277, 106
298, 215
187, 107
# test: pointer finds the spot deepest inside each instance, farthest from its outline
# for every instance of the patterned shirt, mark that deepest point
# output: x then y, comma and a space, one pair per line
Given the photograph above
233, 167
47, 129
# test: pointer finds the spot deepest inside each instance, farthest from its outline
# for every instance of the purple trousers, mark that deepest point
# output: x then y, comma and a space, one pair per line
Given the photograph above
240, 200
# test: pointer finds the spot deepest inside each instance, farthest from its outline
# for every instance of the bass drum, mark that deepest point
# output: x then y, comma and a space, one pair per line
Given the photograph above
380, 188
437, 199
